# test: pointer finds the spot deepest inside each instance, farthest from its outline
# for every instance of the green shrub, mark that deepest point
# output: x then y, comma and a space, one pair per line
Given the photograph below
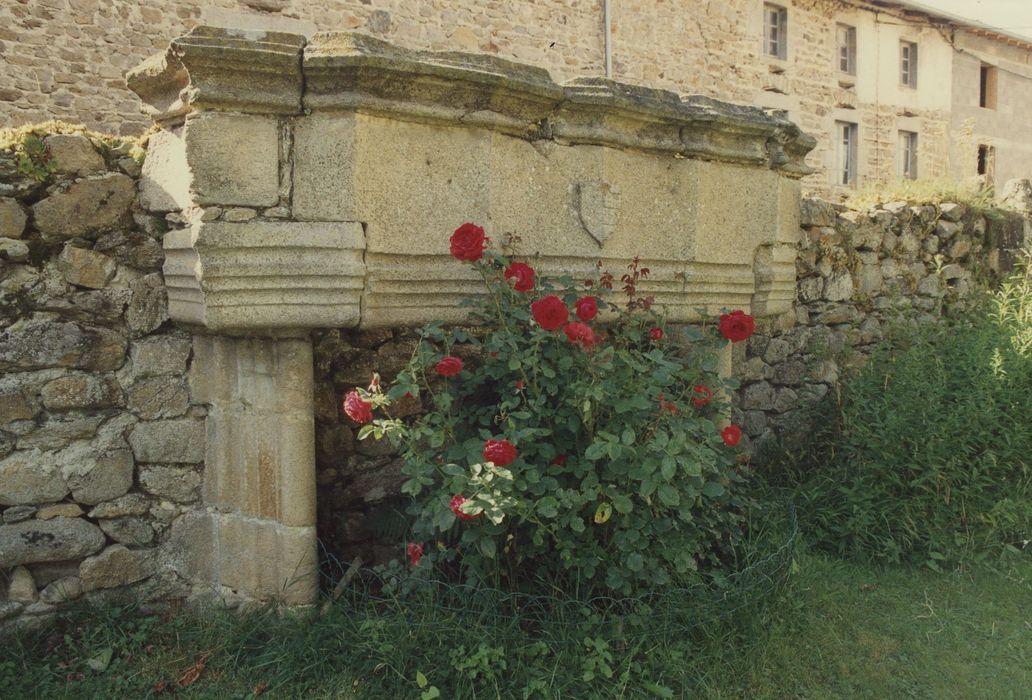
931, 461
559, 451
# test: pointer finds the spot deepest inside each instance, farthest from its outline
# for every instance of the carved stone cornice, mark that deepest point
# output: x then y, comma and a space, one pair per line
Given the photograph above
224, 69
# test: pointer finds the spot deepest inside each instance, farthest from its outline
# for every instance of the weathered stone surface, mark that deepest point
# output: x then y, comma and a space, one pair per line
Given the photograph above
178, 441
133, 249
759, 397
30, 477
62, 590
13, 250
929, 286
180, 484
946, 229
159, 397
129, 504
816, 212
12, 218
59, 510
165, 176
22, 587
133, 532
149, 306
839, 286
39, 343
952, 211
234, 159
160, 355
15, 404
239, 214
792, 372
88, 206
81, 391
16, 514
115, 566
85, 268
777, 351
786, 400
960, 248
48, 540
73, 154
57, 431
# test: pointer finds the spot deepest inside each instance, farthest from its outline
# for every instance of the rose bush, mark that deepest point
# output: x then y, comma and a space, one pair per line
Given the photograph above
585, 455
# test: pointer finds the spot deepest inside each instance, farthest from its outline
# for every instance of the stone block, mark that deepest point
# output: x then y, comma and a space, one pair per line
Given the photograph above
234, 159
161, 355
74, 154
12, 218
86, 268
13, 250
86, 207
148, 308
115, 566
267, 560
59, 510
129, 504
758, 396
108, 475
192, 550
176, 483
62, 590
22, 587
952, 211
17, 404
37, 343
16, 514
80, 391
816, 212
132, 532
165, 177
324, 168
31, 476
48, 540
178, 441
839, 286
158, 397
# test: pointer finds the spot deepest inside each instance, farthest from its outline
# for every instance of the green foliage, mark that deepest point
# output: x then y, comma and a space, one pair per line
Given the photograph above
34, 158
620, 483
932, 461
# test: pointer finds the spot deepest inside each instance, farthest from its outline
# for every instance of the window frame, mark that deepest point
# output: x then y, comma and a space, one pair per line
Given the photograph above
775, 33
850, 48
988, 83
847, 148
908, 61
908, 145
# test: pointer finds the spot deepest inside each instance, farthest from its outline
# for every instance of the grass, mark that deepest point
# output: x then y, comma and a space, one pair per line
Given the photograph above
923, 191
841, 630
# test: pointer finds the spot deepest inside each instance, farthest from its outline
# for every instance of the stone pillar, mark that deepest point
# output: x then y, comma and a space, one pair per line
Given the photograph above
259, 463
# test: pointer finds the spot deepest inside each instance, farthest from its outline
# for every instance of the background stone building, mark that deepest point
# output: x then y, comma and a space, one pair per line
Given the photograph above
889, 88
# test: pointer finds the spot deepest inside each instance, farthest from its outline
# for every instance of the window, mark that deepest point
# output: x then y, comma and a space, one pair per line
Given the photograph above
845, 153
846, 49
986, 156
987, 87
908, 64
908, 155
775, 31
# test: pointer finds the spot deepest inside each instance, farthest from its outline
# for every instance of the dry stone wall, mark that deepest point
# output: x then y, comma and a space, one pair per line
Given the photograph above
101, 444
858, 272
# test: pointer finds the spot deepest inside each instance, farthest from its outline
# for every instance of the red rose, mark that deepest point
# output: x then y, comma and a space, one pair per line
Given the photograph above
356, 408
731, 435
560, 460
586, 308
737, 325
666, 406
523, 274
449, 366
456, 507
580, 333
703, 395
415, 553
467, 243
550, 312
501, 452
656, 333
519, 385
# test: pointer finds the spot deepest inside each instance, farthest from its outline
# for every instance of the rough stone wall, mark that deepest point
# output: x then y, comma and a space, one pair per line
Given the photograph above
101, 446
66, 58
857, 273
